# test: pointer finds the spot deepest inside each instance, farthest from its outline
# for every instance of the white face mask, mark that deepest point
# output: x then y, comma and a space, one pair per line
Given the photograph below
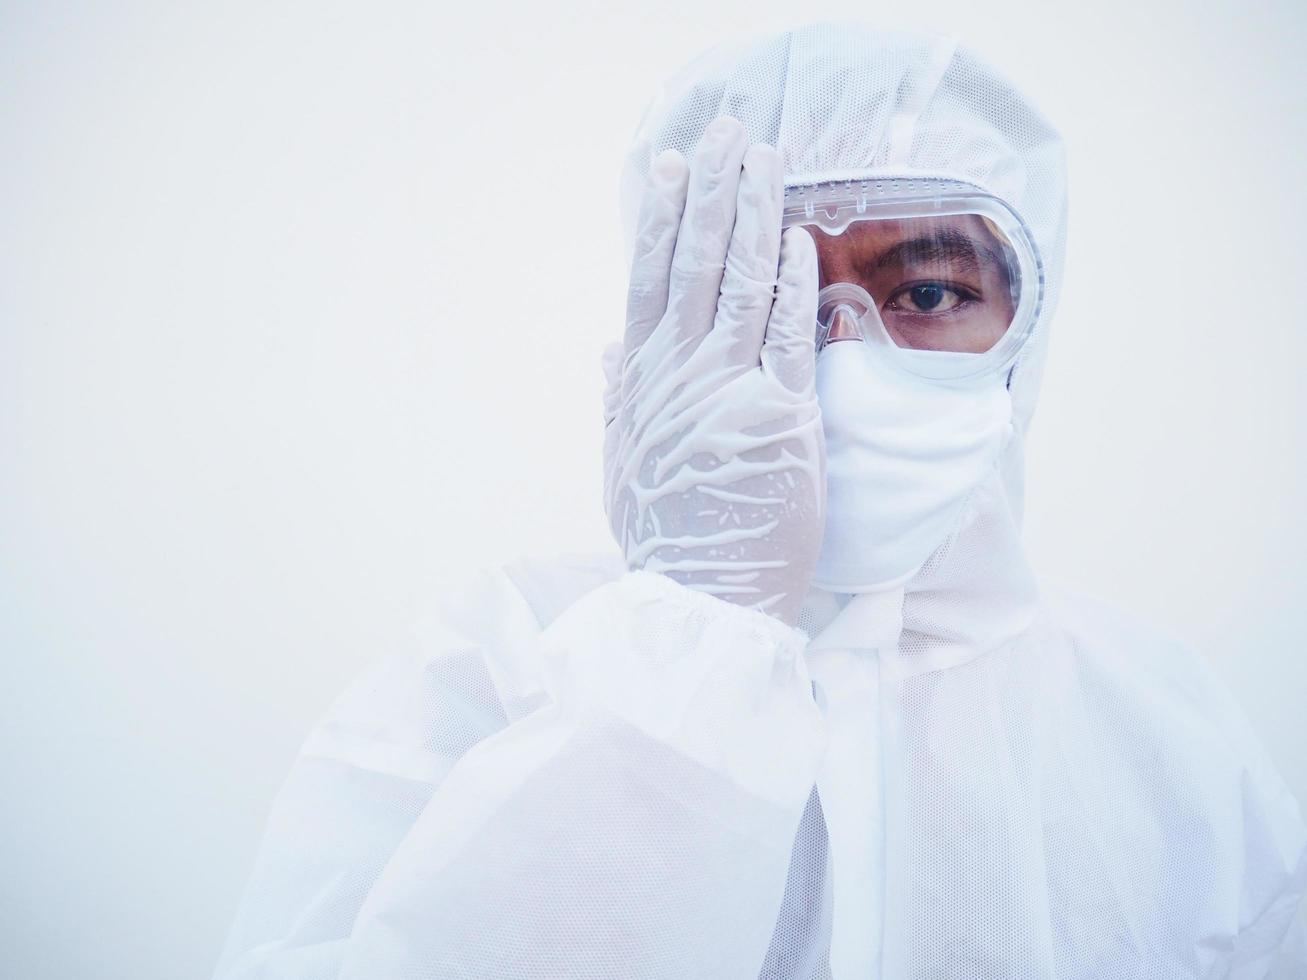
902, 455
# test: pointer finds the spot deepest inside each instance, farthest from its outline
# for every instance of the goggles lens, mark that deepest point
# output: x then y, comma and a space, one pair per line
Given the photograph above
947, 283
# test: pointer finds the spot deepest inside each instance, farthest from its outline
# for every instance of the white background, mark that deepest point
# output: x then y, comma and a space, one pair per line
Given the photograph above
300, 317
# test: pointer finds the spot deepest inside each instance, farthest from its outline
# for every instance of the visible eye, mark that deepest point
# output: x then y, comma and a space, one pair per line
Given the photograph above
928, 297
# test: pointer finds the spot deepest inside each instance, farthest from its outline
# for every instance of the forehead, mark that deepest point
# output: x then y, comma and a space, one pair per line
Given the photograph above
938, 237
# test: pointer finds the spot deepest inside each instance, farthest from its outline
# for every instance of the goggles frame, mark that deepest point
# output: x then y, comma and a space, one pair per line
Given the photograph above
834, 205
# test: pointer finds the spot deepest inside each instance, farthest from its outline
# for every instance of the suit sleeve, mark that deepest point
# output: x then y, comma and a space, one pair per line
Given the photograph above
637, 821
639, 825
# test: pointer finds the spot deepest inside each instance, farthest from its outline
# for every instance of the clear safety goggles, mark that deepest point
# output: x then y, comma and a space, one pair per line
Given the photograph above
941, 277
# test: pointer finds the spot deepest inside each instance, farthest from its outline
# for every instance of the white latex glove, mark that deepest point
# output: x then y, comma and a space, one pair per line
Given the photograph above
714, 459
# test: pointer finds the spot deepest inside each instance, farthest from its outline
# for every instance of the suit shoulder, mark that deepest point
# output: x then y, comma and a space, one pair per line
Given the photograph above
468, 670
1095, 625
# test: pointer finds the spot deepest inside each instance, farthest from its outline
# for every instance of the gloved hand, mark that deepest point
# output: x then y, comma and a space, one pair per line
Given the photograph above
714, 460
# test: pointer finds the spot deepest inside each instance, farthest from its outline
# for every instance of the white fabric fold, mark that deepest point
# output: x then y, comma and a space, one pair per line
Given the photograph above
846, 661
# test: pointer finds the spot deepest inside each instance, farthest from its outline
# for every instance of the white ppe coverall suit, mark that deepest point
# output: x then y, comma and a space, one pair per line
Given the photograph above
587, 771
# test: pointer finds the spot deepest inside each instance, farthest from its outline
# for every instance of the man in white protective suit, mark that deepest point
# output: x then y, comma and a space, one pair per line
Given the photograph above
814, 717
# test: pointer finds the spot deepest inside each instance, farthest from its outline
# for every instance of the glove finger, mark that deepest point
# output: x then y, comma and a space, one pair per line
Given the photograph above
789, 348
749, 281
655, 240
705, 233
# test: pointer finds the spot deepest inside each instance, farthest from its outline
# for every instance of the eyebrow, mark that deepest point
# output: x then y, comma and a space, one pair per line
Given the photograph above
947, 244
